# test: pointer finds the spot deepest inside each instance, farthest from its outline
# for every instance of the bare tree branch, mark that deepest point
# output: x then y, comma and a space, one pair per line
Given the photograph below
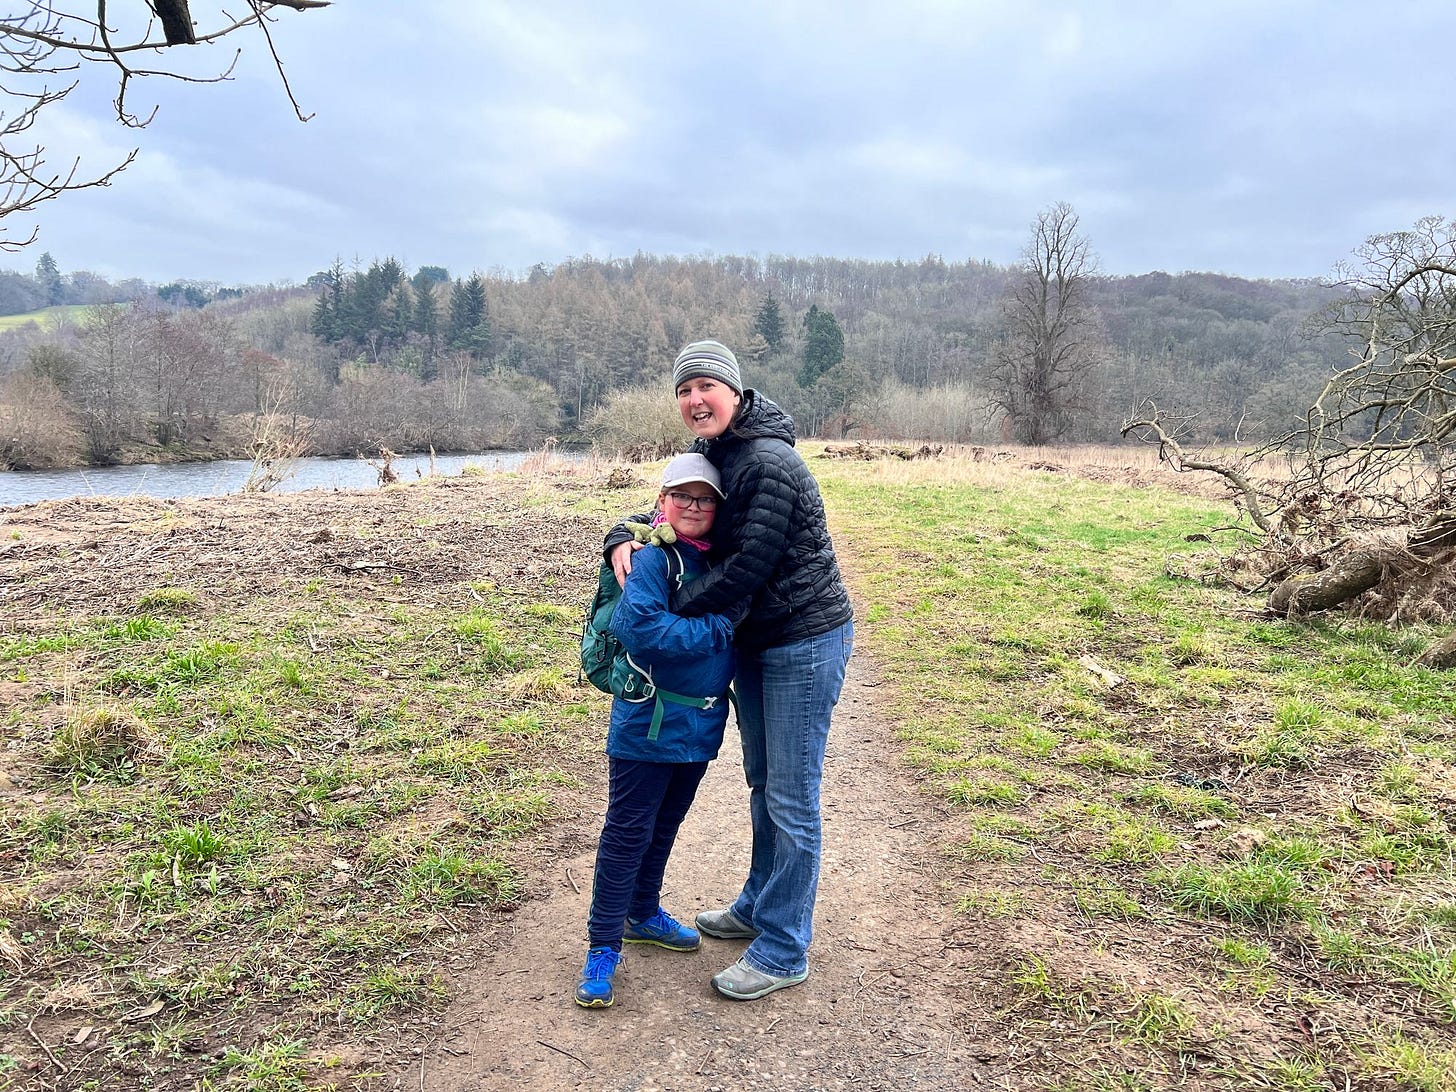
46, 40
1150, 427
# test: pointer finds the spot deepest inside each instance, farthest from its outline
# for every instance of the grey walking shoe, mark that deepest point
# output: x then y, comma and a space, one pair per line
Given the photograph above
744, 983
725, 925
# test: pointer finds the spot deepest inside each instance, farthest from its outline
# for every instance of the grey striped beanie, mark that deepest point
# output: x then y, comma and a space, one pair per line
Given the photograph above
712, 359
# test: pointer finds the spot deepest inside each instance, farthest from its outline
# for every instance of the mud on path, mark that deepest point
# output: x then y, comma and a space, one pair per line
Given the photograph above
891, 1000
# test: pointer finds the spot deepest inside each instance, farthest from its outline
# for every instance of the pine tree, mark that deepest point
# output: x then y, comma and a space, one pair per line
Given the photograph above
770, 323
328, 313
48, 276
823, 346
399, 313
469, 326
365, 319
426, 324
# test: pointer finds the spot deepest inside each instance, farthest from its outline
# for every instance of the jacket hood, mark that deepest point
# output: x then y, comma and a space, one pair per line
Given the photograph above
760, 417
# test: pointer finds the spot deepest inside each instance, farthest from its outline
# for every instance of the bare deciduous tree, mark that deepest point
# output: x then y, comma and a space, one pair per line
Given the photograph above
280, 438
1365, 509
1051, 337
47, 41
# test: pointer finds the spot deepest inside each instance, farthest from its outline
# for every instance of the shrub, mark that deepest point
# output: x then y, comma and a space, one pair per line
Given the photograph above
643, 421
36, 427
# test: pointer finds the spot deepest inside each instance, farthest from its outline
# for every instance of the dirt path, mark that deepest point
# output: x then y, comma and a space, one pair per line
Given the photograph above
887, 1005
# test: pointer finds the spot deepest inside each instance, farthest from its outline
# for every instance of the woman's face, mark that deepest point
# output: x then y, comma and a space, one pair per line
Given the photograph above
682, 507
707, 406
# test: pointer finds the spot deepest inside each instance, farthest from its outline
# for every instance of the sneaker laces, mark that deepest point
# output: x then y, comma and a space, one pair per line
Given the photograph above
661, 922
601, 963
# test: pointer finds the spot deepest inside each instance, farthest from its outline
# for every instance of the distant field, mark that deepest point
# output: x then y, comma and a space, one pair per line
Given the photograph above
45, 317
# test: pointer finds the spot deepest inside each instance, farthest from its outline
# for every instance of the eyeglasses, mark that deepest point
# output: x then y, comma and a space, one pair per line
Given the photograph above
687, 500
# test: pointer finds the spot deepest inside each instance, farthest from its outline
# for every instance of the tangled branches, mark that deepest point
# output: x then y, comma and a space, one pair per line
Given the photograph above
1355, 505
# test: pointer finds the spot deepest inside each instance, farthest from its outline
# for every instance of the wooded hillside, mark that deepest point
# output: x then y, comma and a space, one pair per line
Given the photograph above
372, 356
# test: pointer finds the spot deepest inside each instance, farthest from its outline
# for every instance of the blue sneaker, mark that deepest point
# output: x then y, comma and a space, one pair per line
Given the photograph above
595, 989
664, 931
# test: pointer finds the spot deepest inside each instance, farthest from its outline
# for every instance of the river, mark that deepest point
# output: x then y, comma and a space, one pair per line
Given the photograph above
211, 479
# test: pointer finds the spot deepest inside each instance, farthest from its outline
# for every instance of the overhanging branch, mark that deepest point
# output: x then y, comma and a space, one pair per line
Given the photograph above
1149, 427
46, 39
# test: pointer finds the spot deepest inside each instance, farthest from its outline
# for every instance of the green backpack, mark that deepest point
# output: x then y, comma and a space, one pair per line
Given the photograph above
606, 663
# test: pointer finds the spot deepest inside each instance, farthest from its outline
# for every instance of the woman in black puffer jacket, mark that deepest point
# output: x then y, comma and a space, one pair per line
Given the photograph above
772, 552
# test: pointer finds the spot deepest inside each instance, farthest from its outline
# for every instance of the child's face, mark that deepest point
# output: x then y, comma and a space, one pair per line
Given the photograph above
682, 507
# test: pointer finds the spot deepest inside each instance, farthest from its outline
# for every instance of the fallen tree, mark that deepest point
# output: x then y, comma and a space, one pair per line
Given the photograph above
1353, 509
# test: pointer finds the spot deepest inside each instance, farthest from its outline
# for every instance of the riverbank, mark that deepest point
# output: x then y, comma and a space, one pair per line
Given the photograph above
227, 438
230, 442
219, 477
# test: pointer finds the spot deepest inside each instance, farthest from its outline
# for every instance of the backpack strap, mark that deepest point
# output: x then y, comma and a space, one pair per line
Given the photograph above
682, 699
674, 578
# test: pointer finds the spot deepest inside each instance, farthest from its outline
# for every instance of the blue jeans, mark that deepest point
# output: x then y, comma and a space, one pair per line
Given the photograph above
645, 805
785, 698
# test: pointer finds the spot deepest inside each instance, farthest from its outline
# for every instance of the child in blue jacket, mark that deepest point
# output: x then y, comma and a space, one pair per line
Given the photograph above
654, 776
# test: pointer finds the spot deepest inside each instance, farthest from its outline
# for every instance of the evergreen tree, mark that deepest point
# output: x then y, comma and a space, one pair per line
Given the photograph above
426, 323
399, 314
770, 323
823, 346
469, 326
48, 276
365, 320
328, 313
183, 295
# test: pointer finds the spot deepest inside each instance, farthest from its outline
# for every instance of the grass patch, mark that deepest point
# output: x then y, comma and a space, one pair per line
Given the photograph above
988, 847
105, 744
1157, 1021
1248, 891
388, 989
1244, 953
441, 878
46, 317
1111, 757
1180, 802
1095, 898
1124, 790
267, 1067
1407, 1062
990, 902
983, 792
172, 602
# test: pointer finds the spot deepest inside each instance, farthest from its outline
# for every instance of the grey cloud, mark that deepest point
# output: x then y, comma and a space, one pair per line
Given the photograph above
1225, 137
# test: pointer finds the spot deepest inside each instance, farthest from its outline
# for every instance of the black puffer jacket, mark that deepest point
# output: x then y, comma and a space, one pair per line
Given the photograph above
770, 542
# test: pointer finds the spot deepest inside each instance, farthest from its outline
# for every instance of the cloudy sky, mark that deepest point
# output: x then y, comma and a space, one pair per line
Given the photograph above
1263, 139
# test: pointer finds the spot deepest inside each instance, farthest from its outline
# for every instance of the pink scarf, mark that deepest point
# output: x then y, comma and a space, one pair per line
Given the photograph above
695, 543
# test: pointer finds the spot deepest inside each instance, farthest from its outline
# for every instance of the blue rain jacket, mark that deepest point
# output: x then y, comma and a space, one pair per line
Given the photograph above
690, 656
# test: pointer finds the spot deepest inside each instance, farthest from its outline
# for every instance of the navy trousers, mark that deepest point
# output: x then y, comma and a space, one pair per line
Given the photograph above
645, 806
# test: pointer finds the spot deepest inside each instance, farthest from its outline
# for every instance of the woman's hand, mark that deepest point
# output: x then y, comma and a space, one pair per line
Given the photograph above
622, 559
